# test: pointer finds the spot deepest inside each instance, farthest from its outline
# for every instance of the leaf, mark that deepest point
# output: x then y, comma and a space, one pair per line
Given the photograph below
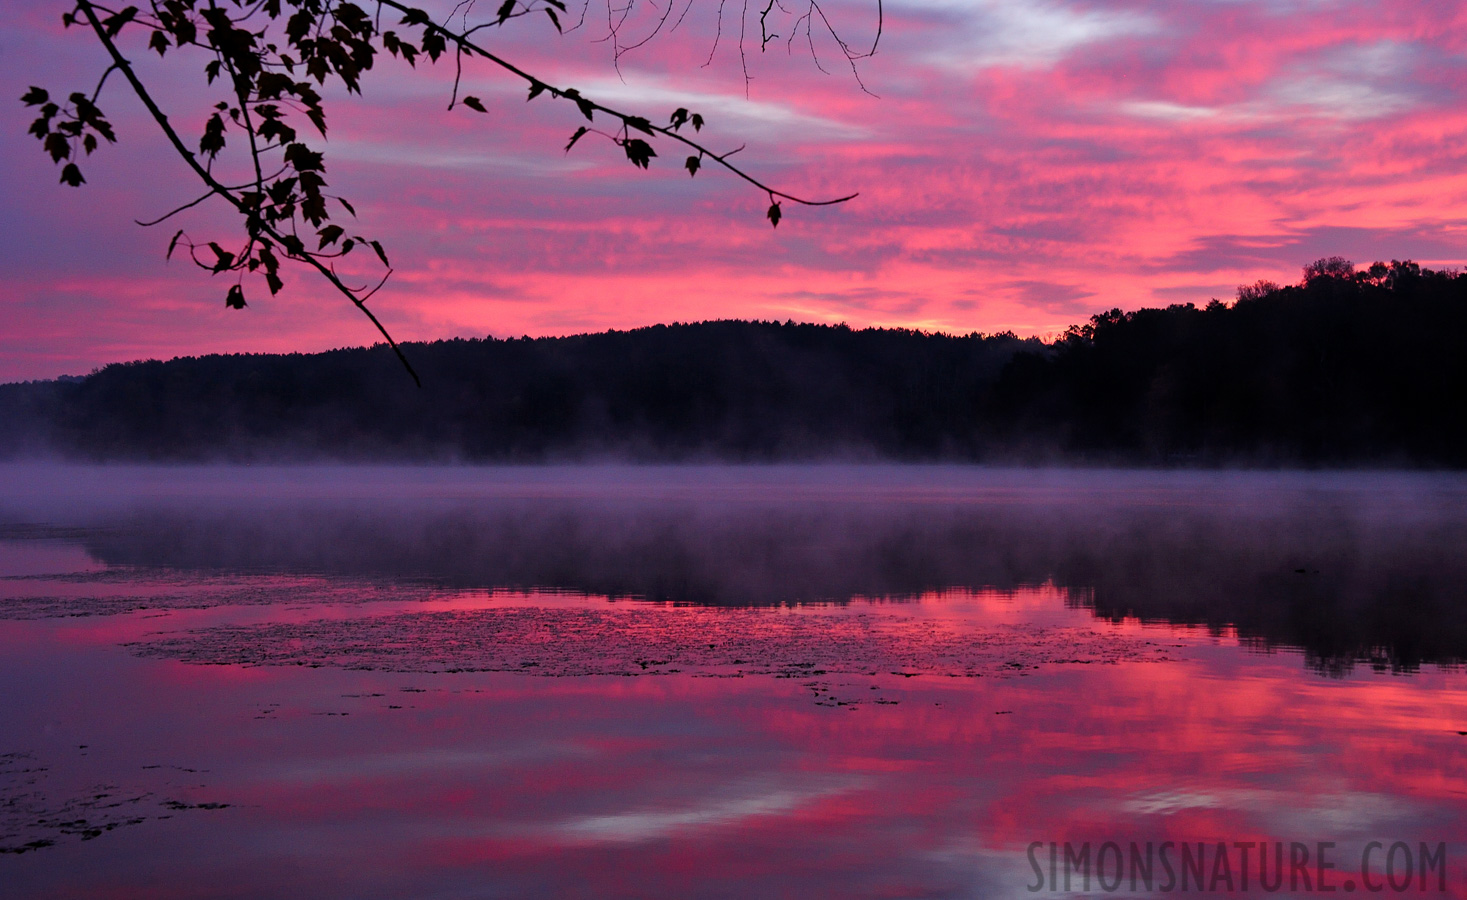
89, 143
329, 235
235, 299
638, 151
34, 97
381, 254
224, 260
639, 123
273, 282
213, 139
679, 118
774, 214
342, 201
173, 244
580, 133
114, 24
505, 9
415, 17
475, 104
159, 42
692, 165
697, 122
536, 89
57, 145
586, 106
72, 175
554, 20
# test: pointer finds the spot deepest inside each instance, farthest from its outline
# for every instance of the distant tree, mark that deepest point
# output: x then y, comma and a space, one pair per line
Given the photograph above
1256, 291
272, 57
1329, 267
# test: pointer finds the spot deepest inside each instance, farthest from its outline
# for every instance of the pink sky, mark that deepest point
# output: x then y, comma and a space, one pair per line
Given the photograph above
1024, 165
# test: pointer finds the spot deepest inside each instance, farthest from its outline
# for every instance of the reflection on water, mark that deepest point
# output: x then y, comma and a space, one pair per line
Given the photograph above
1362, 568
855, 682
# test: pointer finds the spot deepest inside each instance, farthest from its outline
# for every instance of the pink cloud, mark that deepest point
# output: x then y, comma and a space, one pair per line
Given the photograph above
1019, 169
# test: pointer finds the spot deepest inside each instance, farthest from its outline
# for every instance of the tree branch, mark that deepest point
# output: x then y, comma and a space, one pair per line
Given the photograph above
626, 118
158, 116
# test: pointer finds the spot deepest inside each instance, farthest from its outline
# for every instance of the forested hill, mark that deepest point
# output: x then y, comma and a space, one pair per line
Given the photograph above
1345, 368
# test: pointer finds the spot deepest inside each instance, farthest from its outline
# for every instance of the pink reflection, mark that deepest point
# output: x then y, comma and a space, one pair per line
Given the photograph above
348, 783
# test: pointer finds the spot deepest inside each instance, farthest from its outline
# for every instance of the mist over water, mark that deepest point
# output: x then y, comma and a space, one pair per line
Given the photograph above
626, 681
1350, 567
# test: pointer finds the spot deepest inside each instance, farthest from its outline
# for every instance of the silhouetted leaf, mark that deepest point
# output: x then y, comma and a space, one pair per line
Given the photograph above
105, 130
554, 20
329, 235
639, 151
113, 24
235, 298
349, 208
692, 165
536, 89
223, 258
72, 175
774, 214
697, 122
58, 146
505, 9
639, 123
34, 97
303, 158
173, 244
381, 254
580, 132
586, 106
213, 140
679, 118
159, 42
475, 103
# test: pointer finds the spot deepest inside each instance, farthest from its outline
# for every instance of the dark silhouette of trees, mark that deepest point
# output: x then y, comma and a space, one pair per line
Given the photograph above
1345, 368
731, 390
273, 58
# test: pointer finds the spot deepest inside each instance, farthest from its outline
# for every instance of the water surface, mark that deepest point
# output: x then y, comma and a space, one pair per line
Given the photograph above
715, 682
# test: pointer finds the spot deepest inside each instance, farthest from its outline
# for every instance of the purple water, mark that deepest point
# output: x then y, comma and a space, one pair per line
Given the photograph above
702, 682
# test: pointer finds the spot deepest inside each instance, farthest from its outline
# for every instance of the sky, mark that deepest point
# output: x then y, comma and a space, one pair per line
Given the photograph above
1020, 166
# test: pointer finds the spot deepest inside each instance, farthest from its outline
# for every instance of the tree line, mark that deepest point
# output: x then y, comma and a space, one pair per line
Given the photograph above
1348, 367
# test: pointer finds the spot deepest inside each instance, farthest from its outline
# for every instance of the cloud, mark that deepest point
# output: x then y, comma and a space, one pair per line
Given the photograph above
1026, 166
998, 33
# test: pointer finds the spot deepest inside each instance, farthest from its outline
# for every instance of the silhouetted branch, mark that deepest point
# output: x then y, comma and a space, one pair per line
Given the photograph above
162, 120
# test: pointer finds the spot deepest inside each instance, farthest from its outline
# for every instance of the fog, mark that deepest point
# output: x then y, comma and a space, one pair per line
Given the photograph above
1350, 567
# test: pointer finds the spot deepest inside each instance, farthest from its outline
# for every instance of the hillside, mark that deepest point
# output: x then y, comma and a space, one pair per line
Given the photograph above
1345, 368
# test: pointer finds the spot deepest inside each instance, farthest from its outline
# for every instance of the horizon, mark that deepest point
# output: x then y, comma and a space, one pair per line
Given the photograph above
1048, 338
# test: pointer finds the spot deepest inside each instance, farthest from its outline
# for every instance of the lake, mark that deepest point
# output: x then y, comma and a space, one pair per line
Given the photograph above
781, 681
